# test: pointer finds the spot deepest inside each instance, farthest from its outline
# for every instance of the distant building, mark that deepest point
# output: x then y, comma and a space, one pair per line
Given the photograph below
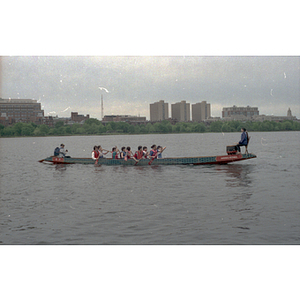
201, 111
181, 111
20, 110
124, 118
239, 113
159, 111
75, 117
289, 116
48, 121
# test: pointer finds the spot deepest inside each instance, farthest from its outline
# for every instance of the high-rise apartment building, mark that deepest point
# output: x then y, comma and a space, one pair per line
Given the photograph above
20, 110
181, 111
159, 111
200, 111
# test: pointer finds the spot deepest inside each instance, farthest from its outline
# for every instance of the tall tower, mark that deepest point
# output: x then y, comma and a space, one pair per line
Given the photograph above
101, 107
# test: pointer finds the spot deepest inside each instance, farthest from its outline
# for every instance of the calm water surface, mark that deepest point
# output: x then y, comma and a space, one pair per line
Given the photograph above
250, 202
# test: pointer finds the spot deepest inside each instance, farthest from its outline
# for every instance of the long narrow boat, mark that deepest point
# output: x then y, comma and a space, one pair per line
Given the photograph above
199, 160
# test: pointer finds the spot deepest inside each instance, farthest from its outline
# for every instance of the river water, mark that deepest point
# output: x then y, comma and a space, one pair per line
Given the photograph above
253, 202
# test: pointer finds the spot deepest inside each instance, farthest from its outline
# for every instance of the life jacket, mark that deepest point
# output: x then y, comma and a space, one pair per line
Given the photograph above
56, 151
153, 152
138, 154
124, 154
96, 153
145, 154
115, 155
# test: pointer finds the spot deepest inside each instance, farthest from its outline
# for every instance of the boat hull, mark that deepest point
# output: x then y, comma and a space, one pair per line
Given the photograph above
199, 160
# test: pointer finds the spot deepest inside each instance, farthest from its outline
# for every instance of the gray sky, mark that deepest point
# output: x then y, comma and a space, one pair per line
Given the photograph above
227, 53
130, 83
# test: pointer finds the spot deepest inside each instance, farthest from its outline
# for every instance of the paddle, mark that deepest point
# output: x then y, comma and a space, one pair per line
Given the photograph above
138, 154
150, 162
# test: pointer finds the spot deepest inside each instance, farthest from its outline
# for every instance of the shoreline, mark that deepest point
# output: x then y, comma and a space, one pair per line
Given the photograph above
108, 134
94, 127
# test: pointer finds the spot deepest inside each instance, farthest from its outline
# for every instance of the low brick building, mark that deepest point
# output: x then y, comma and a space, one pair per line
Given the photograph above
75, 117
20, 110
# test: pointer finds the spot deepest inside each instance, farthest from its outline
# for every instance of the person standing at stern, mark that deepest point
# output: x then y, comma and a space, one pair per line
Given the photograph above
243, 141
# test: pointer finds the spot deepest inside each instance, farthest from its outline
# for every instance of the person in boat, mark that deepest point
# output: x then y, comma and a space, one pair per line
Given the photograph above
243, 141
115, 152
102, 152
153, 152
159, 151
95, 153
62, 151
145, 152
129, 154
123, 153
139, 154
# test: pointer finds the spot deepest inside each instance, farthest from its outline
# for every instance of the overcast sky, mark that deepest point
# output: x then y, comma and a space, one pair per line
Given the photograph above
129, 84
224, 53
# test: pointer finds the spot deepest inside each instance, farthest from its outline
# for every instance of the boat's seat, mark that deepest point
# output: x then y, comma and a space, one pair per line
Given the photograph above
246, 147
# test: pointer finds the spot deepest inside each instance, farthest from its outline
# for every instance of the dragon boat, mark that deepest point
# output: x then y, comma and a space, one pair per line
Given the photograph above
232, 156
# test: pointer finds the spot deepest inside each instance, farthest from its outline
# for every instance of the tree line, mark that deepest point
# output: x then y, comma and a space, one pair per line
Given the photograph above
95, 127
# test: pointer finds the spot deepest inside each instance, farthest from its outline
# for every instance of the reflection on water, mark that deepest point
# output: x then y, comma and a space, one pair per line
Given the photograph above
239, 196
60, 167
239, 180
238, 175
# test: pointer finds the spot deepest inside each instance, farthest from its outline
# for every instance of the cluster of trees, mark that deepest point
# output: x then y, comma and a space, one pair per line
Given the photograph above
95, 127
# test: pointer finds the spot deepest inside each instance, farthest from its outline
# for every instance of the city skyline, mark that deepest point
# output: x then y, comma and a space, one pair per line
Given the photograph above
129, 84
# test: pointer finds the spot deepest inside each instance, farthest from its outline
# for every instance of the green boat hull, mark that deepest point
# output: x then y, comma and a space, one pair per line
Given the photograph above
199, 160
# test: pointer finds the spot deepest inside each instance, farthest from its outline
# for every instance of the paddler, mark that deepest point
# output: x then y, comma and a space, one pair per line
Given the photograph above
153, 152
115, 152
95, 153
159, 151
145, 152
102, 151
139, 154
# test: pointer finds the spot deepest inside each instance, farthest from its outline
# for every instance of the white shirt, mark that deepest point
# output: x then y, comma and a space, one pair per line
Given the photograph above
62, 152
